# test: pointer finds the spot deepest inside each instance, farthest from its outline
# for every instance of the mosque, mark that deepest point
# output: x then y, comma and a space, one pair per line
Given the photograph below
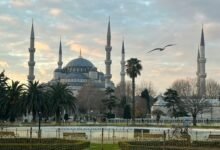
80, 71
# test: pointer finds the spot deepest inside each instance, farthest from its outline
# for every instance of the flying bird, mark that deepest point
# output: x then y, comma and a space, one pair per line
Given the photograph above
161, 49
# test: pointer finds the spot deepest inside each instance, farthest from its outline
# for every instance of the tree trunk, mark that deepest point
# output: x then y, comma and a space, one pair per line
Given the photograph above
58, 115
194, 120
133, 101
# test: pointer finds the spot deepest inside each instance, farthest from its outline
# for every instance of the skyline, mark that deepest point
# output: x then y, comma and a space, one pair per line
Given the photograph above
142, 24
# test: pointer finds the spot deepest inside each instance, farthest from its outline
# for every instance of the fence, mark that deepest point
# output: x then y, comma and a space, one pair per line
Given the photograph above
106, 133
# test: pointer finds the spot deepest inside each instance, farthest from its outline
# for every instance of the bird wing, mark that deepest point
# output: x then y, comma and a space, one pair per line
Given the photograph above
169, 45
155, 50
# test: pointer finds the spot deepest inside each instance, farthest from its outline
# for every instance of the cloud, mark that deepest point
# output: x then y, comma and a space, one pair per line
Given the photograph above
86, 51
4, 64
7, 19
42, 47
55, 11
20, 3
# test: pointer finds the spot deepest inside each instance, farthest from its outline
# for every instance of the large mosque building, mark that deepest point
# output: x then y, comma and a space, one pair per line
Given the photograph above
80, 71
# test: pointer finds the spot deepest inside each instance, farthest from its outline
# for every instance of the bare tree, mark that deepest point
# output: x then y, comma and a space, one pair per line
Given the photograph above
90, 99
195, 105
185, 87
212, 89
146, 85
140, 107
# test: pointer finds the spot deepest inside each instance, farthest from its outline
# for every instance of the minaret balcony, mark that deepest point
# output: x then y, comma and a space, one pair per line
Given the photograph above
108, 47
108, 62
31, 49
203, 75
31, 63
202, 60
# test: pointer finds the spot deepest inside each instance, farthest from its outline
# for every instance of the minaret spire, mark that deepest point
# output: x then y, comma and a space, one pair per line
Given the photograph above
109, 33
123, 70
108, 60
31, 62
60, 62
202, 42
80, 53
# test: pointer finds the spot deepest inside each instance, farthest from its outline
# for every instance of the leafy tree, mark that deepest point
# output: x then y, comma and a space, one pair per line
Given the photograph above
158, 113
174, 104
195, 105
133, 68
61, 98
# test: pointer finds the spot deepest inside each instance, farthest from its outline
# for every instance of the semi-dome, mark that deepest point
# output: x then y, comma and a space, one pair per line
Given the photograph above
80, 62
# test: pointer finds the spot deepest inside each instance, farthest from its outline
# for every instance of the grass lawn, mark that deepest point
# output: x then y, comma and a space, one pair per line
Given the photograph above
94, 146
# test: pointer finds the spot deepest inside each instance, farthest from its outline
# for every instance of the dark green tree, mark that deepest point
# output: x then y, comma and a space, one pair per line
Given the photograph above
133, 69
61, 98
146, 96
174, 103
110, 100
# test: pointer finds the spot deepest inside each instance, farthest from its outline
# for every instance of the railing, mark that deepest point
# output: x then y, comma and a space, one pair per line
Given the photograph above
109, 134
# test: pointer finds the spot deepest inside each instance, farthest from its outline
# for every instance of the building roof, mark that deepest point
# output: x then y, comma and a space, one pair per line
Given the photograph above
80, 62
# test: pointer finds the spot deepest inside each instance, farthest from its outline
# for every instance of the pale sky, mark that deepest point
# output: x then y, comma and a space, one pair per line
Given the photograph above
144, 25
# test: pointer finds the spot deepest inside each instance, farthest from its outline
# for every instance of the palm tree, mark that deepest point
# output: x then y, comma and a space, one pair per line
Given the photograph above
61, 98
133, 68
14, 98
35, 95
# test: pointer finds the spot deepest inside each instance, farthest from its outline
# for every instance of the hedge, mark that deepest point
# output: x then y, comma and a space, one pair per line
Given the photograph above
168, 145
42, 144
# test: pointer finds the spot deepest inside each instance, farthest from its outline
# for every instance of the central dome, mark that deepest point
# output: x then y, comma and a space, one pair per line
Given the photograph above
80, 62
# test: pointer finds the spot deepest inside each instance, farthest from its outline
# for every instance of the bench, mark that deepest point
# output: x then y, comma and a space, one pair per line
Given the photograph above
74, 135
7, 134
147, 136
214, 137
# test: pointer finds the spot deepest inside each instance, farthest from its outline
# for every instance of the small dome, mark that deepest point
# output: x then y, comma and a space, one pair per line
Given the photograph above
94, 69
58, 70
80, 62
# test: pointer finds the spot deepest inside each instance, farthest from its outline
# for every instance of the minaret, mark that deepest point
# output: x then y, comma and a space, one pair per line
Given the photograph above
202, 62
31, 61
60, 62
197, 73
108, 60
122, 70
